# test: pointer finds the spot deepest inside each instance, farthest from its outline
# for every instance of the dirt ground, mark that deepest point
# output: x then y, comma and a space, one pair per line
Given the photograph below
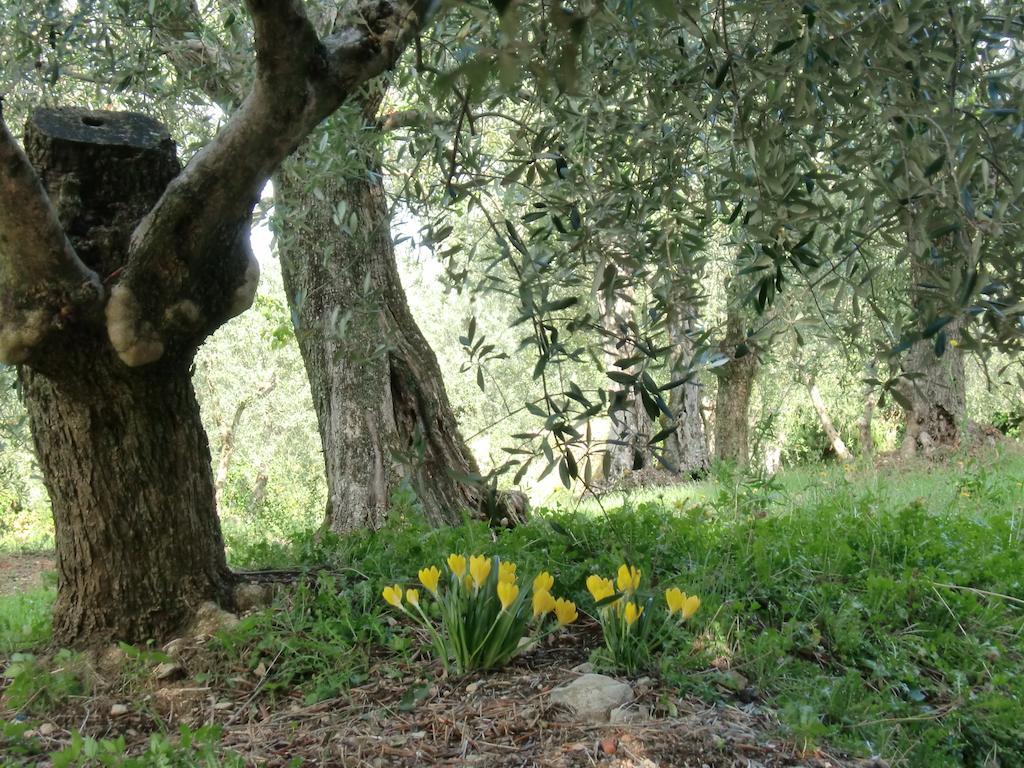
19, 573
409, 715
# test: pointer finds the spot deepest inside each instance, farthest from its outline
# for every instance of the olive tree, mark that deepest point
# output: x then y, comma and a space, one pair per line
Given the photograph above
115, 265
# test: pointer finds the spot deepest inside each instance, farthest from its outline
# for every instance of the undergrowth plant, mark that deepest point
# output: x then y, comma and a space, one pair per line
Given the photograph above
635, 627
483, 614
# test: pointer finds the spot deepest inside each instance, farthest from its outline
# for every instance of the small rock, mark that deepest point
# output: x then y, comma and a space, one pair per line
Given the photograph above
609, 744
732, 680
111, 661
118, 710
174, 648
583, 669
249, 597
473, 687
626, 715
591, 696
643, 682
169, 670
211, 618
223, 705
47, 729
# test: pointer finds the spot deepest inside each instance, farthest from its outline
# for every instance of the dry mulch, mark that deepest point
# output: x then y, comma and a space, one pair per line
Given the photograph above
409, 715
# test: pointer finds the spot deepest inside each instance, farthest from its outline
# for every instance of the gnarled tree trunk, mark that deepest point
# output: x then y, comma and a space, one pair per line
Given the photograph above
629, 433
937, 394
123, 453
936, 388
141, 262
686, 449
735, 386
381, 404
867, 440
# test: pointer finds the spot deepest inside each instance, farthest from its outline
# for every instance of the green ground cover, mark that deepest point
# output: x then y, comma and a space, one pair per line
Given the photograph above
880, 611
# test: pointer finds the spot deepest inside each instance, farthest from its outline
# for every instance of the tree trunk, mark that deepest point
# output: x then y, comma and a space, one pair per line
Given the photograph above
122, 450
686, 449
936, 389
735, 386
867, 440
629, 432
227, 438
937, 395
381, 405
732, 412
834, 438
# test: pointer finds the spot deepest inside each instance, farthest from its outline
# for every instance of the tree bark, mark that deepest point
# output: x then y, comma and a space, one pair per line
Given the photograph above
735, 386
123, 453
936, 388
382, 409
937, 395
687, 448
867, 440
834, 438
629, 432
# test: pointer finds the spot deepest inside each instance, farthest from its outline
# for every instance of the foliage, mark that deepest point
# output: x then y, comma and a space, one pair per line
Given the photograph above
197, 747
25, 620
484, 615
34, 687
317, 640
875, 610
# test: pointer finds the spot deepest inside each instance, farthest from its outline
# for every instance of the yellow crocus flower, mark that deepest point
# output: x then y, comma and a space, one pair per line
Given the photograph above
479, 569
675, 598
543, 583
412, 596
599, 587
629, 578
393, 595
632, 613
690, 607
543, 603
429, 577
507, 593
458, 564
507, 572
565, 611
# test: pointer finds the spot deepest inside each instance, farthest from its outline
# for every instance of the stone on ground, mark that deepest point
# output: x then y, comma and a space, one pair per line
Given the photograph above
591, 697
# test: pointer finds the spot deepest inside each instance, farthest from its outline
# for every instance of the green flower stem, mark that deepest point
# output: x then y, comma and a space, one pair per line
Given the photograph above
438, 642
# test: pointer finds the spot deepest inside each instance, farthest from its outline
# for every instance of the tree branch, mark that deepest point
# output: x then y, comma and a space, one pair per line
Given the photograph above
190, 267
43, 283
181, 36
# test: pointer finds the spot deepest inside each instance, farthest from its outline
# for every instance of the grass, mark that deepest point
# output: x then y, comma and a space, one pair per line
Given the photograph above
25, 620
878, 611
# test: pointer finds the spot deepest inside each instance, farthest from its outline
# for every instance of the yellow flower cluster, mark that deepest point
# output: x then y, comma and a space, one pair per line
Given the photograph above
628, 578
677, 600
483, 612
627, 583
475, 571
